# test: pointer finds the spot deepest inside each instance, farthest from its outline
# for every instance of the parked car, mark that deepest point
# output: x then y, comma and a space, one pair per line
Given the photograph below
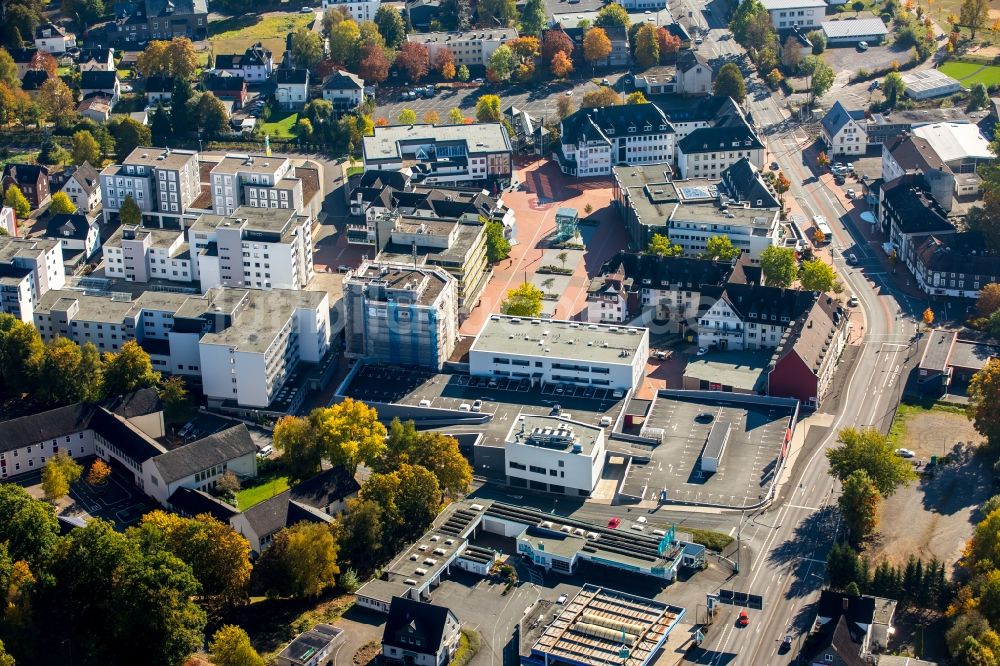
562, 599
853, 301
862, 46
850, 194
477, 405
852, 259
702, 351
306, 10
905, 453
614, 523
605, 82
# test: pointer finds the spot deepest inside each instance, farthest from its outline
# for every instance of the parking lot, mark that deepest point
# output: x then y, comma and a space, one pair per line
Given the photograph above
847, 58
379, 383
747, 466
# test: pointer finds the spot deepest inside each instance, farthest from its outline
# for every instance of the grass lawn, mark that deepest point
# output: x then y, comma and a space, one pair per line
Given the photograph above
963, 71
251, 495
281, 126
28, 157
907, 411
233, 36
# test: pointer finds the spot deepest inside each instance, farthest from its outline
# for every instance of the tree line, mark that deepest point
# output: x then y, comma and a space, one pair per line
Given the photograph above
915, 585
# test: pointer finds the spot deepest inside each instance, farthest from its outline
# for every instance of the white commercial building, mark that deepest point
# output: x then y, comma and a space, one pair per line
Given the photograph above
592, 141
928, 83
552, 454
470, 48
843, 131
360, 10
560, 352
29, 268
802, 14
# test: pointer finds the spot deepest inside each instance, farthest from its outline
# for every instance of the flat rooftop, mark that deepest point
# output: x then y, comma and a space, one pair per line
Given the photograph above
927, 80
25, 247
552, 432
956, 141
972, 355
740, 369
389, 142
261, 322
938, 350
601, 343
426, 283
593, 628
652, 194
160, 158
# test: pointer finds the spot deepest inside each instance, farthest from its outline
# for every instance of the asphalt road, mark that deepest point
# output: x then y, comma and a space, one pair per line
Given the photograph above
789, 543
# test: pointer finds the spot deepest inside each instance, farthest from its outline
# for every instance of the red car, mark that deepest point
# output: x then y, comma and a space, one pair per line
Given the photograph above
614, 523
743, 620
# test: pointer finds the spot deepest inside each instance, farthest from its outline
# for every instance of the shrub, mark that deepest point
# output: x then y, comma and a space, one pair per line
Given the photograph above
716, 541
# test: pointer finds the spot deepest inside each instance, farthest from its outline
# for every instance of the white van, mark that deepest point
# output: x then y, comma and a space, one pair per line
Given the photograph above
425, 403
265, 451
605, 421
465, 407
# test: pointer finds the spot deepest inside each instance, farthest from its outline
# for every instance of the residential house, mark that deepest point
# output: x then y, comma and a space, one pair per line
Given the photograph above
907, 210
255, 65
751, 316
592, 141
907, 154
344, 90
443, 154
694, 73
80, 236
311, 648
806, 357
291, 88
471, 48
52, 38
951, 264
359, 10
420, 13
707, 152
31, 179
24, 59
83, 187
744, 182
788, 14
140, 21
843, 131
101, 83
98, 59
228, 88
97, 108
159, 89
32, 81
328, 491
420, 633
262, 521
849, 630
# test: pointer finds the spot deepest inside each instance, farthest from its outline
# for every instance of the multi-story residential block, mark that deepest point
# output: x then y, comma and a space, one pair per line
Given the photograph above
751, 316
955, 264
255, 65
907, 210
141, 21
551, 454
646, 286
53, 39
560, 352
83, 188
802, 14
344, 90
139, 254
400, 315
707, 152
592, 141
291, 88
8, 220
31, 179
163, 183
471, 48
908, 154
360, 10
443, 155
29, 268
744, 182
258, 181
843, 131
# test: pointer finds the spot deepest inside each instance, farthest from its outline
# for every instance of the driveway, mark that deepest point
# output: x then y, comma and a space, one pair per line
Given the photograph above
360, 626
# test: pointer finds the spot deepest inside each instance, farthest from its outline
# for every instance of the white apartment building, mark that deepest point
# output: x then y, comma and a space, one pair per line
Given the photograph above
560, 352
255, 180
551, 454
752, 230
802, 14
750, 316
138, 254
29, 268
162, 183
397, 314
707, 152
471, 48
594, 140
360, 10
249, 363
442, 154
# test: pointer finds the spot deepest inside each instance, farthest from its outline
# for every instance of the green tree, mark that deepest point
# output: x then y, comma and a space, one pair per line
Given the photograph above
301, 561
362, 533
979, 97
497, 245
456, 116
61, 204
85, 148
59, 473
858, 503
612, 15
436, 452
129, 134
213, 119
230, 646
988, 301
871, 451
974, 14
892, 88
14, 198
741, 19
842, 566
721, 248
523, 301
407, 117
181, 119
159, 125
463, 73
729, 83
22, 354
66, 376
349, 433
817, 275
299, 446
391, 26
174, 395
490, 13
779, 266
5, 659
633, 98
662, 246
307, 48
488, 109
128, 370
53, 153
502, 63
27, 526
822, 80
984, 401
129, 213
345, 40
647, 46
818, 40
533, 18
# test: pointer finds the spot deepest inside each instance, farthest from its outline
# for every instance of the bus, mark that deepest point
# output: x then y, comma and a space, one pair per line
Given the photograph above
823, 227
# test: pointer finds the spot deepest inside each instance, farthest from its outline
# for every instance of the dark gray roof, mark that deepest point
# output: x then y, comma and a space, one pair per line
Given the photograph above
961, 253
192, 502
301, 651
255, 55
687, 271
292, 76
689, 58
756, 303
612, 122
415, 626
33, 79
341, 80
137, 403
132, 441
838, 116
913, 153
98, 80
171, 8
160, 84
912, 209
98, 54
744, 182
27, 430
227, 61
25, 173
213, 450
329, 486
840, 637
269, 516
68, 225
857, 609
87, 177
720, 137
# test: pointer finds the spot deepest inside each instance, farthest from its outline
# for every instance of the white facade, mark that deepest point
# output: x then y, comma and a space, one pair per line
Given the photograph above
803, 14
29, 268
244, 466
560, 352
704, 164
359, 10
257, 181
8, 220
547, 451
162, 183
86, 199
751, 230
52, 39
17, 293
471, 48
695, 80
842, 133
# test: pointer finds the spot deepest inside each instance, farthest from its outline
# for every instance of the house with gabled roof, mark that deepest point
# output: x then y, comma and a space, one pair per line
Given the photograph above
592, 141
420, 633
750, 316
261, 522
843, 131
291, 89
344, 90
